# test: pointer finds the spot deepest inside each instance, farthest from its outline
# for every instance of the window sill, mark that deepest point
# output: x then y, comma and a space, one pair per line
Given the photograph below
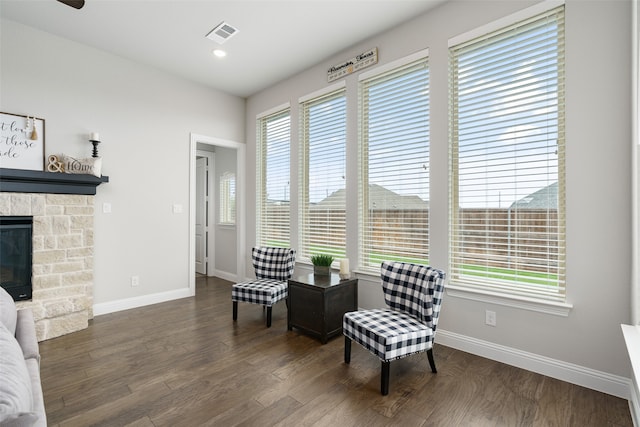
227, 225
540, 306
366, 275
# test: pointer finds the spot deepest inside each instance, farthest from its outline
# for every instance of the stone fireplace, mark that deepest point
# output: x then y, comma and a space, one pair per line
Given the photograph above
62, 270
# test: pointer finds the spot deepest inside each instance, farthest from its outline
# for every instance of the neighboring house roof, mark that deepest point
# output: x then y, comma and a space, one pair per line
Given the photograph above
545, 198
277, 202
380, 198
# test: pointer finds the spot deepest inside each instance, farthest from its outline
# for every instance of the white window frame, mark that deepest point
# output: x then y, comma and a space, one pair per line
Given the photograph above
493, 294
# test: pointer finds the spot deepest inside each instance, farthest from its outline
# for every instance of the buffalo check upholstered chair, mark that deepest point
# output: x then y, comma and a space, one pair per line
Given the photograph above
273, 268
414, 295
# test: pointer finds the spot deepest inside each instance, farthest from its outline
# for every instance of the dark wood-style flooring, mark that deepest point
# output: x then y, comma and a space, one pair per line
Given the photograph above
186, 363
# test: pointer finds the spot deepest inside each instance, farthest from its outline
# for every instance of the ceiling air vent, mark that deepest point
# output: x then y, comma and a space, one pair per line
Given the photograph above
222, 33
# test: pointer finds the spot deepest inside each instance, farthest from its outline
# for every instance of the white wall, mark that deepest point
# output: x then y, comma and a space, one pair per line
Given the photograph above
598, 133
144, 117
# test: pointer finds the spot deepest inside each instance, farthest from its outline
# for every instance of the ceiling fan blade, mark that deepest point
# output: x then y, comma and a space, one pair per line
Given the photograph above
73, 3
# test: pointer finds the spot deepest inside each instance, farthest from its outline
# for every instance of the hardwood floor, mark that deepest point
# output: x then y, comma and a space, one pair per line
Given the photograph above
186, 363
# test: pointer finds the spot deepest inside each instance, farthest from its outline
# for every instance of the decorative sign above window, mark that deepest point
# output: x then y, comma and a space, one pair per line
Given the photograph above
359, 62
21, 142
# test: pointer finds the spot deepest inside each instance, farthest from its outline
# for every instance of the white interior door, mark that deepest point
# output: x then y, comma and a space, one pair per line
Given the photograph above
201, 215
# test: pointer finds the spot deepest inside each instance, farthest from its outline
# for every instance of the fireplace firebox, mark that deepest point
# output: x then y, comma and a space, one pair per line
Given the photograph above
16, 256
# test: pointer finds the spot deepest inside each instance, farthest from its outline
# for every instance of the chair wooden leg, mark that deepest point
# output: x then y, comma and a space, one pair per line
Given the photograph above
431, 361
269, 317
384, 378
235, 310
347, 350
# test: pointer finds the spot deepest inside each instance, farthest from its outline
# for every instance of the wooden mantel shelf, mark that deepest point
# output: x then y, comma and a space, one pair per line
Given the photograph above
28, 181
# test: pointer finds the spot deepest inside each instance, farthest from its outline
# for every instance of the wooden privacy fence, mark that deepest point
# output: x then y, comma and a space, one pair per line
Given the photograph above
502, 238
524, 239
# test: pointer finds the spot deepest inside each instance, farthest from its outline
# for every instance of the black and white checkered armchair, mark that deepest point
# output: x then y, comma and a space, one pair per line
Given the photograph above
273, 267
414, 296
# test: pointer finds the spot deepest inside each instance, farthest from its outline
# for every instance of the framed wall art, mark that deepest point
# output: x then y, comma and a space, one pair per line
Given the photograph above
21, 142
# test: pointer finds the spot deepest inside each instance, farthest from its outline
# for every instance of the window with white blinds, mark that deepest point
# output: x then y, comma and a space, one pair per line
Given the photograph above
507, 183
273, 172
227, 200
322, 175
394, 165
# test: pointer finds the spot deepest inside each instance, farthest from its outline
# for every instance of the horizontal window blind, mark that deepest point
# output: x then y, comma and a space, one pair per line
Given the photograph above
393, 197
507, 152
227, 198
322, 175
273, 172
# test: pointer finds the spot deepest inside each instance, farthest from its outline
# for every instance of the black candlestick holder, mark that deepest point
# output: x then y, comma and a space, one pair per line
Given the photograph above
95, 147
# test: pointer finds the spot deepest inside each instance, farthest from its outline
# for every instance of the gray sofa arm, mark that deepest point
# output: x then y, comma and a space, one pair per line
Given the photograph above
26, 334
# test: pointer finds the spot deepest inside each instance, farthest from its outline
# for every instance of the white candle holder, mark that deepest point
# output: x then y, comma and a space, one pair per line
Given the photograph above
95, 140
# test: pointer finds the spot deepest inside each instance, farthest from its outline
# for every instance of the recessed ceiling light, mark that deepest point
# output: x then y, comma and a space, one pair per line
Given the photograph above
219, 53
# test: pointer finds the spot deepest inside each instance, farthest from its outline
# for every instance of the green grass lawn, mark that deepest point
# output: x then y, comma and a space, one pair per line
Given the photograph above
506, 274
533, 277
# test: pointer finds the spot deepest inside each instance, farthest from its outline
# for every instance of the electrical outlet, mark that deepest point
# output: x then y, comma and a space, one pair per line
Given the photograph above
135, 281
490, 318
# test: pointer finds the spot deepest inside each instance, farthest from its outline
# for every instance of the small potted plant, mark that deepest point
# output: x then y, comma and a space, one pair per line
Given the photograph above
321, 264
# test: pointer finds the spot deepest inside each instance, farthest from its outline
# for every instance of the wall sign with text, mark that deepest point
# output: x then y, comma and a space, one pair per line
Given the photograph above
364, 60
21, 142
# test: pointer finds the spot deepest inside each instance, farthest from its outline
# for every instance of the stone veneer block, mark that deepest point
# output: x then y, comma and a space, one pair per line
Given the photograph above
65, 324
5, 203
68, 267
80, 222
79, 210
37, 206
77, 278
58, 308
46, 281
61, 225
49, 257
66, 199
62, 259
49, 242
83, 252
53, 210
69, 241
41, 225
21, 204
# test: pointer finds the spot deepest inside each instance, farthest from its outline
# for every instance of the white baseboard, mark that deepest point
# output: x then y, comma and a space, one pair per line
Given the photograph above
596, 380
225, 275
141, 301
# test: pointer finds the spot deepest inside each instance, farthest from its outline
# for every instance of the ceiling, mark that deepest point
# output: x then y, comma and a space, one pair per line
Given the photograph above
275, 39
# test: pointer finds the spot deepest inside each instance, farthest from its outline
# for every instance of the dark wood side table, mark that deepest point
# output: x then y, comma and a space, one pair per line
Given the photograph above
317, 303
